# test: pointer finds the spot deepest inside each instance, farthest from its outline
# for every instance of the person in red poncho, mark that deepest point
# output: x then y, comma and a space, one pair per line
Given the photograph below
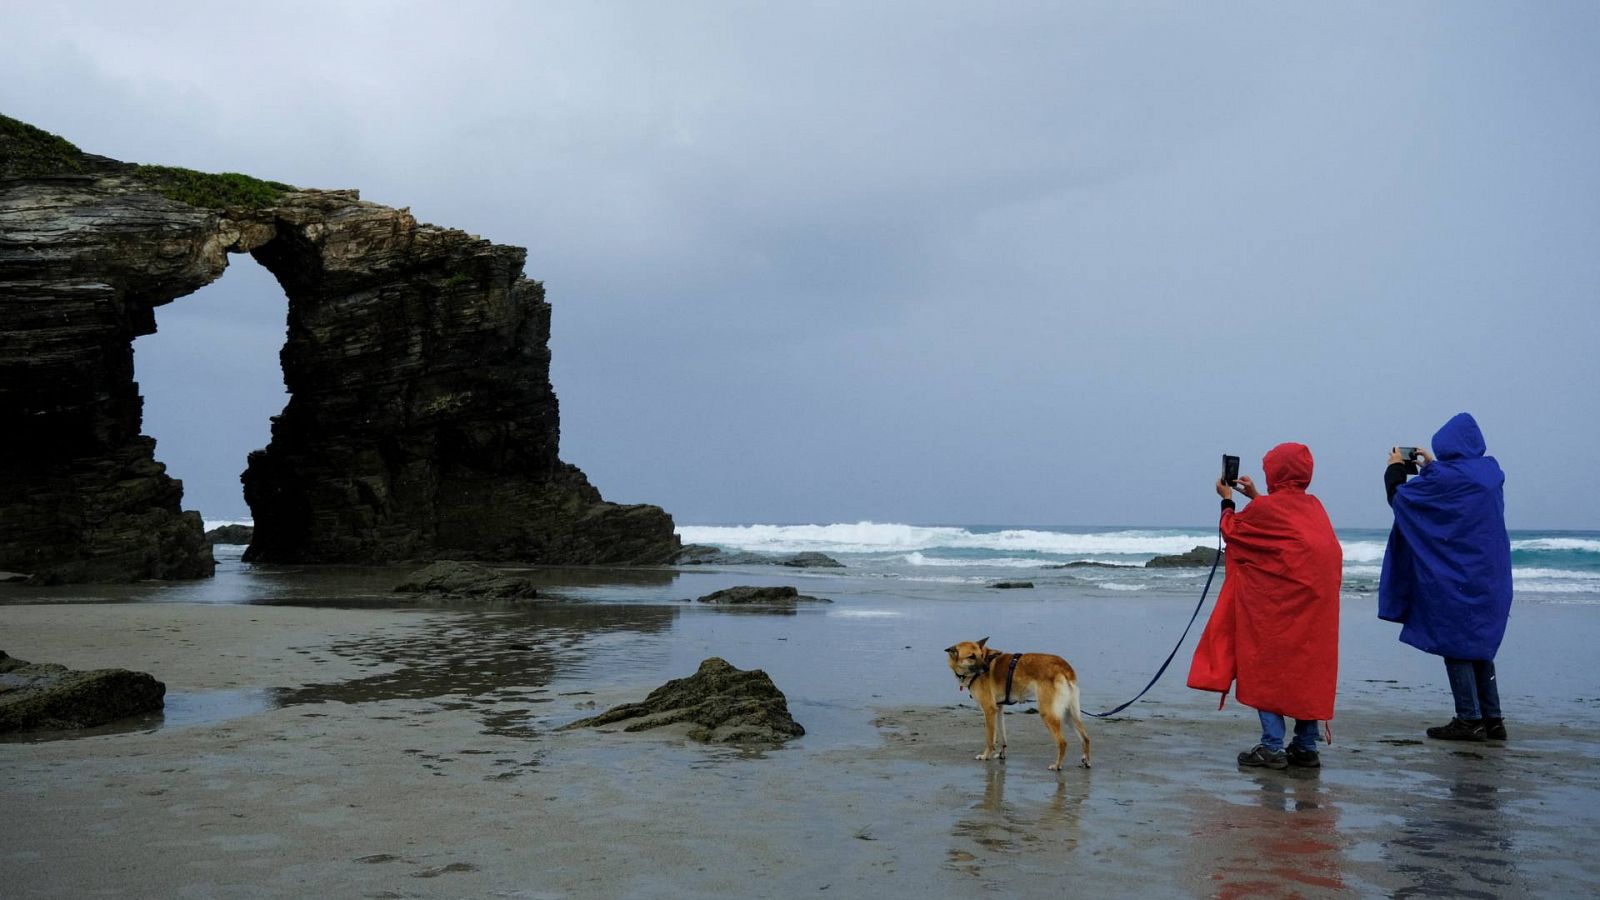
1275, 629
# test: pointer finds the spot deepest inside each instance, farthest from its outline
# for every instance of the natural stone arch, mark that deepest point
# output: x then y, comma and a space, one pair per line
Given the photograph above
420, 423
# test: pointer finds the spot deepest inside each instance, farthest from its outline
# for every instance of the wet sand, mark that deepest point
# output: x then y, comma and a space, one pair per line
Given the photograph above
412, 753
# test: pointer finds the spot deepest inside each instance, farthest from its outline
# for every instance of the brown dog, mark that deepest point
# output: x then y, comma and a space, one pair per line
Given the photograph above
984, 672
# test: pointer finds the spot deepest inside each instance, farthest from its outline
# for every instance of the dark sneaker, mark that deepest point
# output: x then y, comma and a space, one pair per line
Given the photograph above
1259, 757
1459, 730
1303, 759
1494, 729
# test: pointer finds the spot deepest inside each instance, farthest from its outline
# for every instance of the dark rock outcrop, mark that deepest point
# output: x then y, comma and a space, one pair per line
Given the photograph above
230, 534
697, 554
745, 595
1011, 585
48, 697
811, 560
1198, 558
421, 422
450, 579
721, 703
1091, 564
702, 555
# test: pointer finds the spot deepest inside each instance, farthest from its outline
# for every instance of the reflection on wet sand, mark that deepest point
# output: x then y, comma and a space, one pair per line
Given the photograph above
495, 663
1036, 824
1455, 844
1279, 840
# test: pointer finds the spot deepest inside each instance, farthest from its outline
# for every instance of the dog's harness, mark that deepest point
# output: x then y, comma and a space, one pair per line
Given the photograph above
1010, 674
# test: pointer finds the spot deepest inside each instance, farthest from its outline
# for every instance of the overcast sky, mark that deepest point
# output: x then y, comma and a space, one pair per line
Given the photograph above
923, 262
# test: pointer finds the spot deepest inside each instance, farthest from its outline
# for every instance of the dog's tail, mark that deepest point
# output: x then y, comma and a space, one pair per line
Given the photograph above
1066, 705
1070, 709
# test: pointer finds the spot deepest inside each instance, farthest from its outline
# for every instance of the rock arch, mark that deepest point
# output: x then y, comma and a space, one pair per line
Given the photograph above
421, 421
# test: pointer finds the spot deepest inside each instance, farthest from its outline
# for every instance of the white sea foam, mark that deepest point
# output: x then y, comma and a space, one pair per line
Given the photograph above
1560, 587
1362, 551
1580, 544
1564, 574
865, 614
880, 537
1120, 586
918, 558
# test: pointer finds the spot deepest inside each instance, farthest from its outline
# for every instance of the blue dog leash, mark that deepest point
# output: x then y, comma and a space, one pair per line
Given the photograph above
1174, 653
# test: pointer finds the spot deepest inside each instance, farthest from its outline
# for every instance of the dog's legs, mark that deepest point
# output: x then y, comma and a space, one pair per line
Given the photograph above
1074, 709
989, 713
1000, 713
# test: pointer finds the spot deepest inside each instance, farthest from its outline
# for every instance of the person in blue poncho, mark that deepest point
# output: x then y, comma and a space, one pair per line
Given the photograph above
1447, 570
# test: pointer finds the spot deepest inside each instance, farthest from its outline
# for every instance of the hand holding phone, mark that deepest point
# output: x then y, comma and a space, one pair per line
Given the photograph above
1409, 456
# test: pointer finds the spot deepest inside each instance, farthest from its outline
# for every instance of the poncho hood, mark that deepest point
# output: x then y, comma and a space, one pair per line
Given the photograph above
1288, 467
1460, 438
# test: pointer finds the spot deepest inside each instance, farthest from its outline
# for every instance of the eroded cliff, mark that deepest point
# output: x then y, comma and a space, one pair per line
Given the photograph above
421, 421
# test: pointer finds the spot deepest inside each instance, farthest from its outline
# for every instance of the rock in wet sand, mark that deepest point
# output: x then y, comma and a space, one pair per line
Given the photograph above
454, 580
48, 697
725, 705
769, 596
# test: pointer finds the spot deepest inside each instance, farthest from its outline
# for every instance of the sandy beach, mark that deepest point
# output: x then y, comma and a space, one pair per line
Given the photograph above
364, 752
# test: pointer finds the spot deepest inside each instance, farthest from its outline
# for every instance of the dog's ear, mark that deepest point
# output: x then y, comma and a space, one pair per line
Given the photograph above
983, 642
990, 654
951, 649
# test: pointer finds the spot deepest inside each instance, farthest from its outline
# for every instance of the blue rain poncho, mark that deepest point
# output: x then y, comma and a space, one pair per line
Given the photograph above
1447, 570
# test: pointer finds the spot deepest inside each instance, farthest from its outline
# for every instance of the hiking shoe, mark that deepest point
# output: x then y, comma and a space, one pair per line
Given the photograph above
1494, 729
1303, 759
1459, 730
1259, 757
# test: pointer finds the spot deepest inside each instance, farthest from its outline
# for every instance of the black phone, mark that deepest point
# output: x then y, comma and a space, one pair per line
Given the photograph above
1410, 456
1230, 470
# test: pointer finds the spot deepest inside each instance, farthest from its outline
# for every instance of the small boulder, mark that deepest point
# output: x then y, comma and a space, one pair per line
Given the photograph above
811, 560
746, 595
722, 704
231, 534
1198, 558
1011, 585
1091, 564
48, 697
464, 580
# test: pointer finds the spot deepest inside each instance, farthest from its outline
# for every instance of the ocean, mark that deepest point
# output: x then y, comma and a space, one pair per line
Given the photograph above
1548, 566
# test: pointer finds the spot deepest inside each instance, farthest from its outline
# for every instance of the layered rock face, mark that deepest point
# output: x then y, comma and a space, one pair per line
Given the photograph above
421, 421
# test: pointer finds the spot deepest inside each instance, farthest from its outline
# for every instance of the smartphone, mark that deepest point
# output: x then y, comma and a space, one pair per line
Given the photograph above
1230, 470
1410, 456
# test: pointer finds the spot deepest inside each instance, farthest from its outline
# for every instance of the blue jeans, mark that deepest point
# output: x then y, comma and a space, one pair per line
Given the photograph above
1305, 732
1476, 693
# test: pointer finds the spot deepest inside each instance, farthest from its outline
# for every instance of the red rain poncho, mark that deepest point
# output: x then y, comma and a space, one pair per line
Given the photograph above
1275, 629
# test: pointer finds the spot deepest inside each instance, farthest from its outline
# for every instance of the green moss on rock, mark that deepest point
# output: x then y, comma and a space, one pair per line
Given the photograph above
28, 151
213, 191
